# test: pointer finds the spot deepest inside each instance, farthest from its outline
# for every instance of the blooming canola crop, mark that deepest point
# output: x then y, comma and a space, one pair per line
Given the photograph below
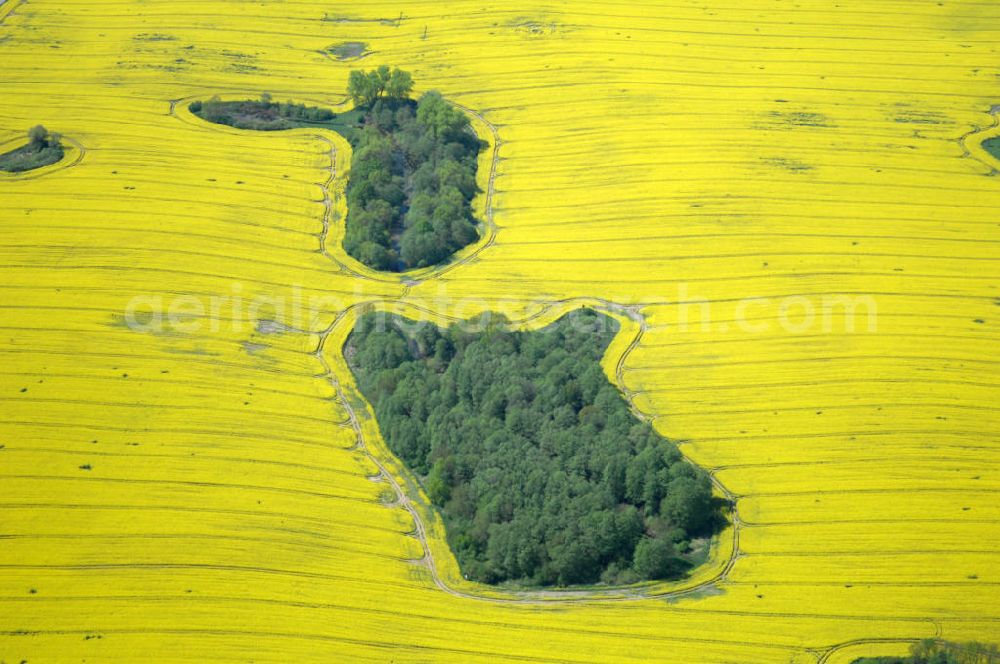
785, 203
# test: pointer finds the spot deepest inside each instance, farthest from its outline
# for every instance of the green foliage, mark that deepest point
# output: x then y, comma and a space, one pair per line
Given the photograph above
400, 85
260, 115
361, 87
367, 87
413, 177
539, 469
38, 135
413, 168
688, 501
932, 651
43, 148
438, 482
442, 120
656, 558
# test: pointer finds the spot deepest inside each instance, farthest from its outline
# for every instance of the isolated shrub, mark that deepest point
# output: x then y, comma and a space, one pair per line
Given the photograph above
38, 135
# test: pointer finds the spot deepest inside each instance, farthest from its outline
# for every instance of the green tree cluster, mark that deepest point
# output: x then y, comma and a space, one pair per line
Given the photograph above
933, 651
413, 177
413, 167
260, 114
43, 148
367, 87
539, 469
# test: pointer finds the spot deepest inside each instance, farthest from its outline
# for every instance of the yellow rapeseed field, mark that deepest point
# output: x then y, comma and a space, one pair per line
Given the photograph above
785, 204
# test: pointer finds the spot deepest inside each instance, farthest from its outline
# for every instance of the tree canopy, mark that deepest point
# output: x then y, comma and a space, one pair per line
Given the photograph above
540, 471
367, 87
413, 166
412, 181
